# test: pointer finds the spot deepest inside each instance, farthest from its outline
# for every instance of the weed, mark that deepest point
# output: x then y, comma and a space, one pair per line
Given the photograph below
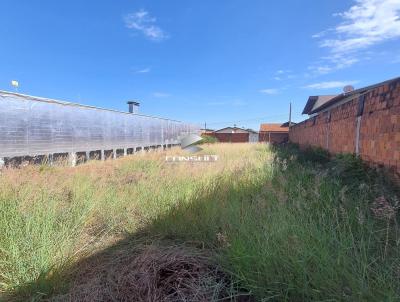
281, 226
207, 139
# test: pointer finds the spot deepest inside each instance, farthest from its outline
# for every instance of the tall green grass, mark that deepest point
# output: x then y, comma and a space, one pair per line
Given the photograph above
51, 217
310, 232
286, 225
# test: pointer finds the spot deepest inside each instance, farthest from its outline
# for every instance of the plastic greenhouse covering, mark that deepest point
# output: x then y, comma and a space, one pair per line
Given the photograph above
32, 126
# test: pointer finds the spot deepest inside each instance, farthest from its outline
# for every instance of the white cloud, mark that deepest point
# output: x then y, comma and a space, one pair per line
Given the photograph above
269, 91
329, 64
333, 62
283, 74
362, 26
321, 69
141, 21
144, 70
330, 84
281, 71
365, 24
342, 61
321, 34
161, 94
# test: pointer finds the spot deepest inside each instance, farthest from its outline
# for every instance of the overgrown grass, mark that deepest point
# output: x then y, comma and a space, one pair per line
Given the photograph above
208, 139
285, 227
315, 230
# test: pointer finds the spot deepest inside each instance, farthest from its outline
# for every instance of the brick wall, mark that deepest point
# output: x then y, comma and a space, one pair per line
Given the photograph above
231, 137
273, 137
379, 127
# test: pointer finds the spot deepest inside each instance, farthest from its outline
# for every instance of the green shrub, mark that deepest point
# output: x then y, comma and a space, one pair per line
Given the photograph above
349, 168
315, 154
207, 139
306, 156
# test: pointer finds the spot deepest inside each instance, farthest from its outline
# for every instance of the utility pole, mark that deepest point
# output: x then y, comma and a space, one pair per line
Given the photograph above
290, 114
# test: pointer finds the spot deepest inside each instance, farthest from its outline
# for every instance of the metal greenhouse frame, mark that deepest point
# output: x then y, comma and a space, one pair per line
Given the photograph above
33, 126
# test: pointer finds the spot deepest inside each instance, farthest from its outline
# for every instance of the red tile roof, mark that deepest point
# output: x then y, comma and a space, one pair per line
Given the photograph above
273, 128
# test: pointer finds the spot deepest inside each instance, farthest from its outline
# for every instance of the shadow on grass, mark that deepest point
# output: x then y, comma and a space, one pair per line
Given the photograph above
299, 231
175, 258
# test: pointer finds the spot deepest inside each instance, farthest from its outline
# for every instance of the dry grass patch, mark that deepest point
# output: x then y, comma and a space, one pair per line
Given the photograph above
287, 226
51, 217
147, 273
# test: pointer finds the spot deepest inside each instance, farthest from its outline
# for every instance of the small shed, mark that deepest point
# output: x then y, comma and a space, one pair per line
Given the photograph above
235, 135
274, 133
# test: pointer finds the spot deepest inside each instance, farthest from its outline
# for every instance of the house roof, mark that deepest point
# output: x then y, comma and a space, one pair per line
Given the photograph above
286, 124
251, 130
273, 127
310, 107
236, 128
207, 130
316, 101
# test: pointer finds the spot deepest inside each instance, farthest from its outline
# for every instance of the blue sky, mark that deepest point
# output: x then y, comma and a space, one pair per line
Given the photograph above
222, 62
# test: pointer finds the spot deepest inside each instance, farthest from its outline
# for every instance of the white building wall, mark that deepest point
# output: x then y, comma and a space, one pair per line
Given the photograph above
253, 137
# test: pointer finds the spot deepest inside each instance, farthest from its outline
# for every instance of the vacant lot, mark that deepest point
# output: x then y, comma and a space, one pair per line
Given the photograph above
257, 225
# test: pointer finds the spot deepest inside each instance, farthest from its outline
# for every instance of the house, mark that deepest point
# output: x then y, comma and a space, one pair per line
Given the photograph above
206, 131
235, 135
363, 121
314, 103
274, 133
324, 103
253, 136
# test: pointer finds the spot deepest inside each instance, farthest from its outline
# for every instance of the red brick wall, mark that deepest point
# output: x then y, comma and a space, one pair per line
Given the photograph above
231, 137
275, 137
379, 136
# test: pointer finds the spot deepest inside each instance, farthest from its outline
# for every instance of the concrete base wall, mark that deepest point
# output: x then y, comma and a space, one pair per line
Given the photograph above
76, 158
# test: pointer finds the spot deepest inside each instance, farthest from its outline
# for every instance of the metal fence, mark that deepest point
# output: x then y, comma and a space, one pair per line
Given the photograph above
31, 126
